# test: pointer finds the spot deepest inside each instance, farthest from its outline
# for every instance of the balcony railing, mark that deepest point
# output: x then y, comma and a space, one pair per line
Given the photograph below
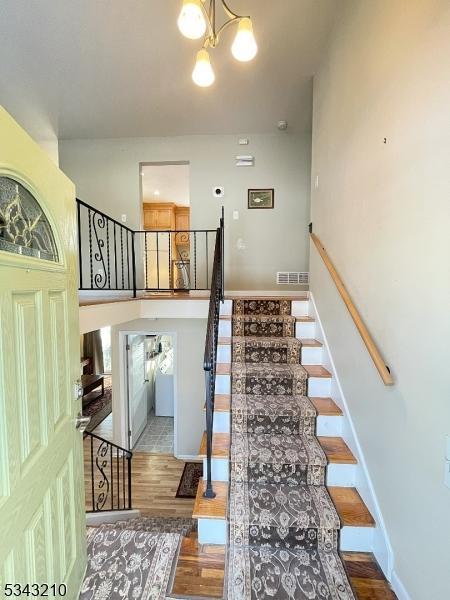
113, 257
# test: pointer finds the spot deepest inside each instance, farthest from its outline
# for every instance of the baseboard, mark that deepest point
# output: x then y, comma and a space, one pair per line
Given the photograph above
272, 293
399, 588
382, 548
188, 457
111, 516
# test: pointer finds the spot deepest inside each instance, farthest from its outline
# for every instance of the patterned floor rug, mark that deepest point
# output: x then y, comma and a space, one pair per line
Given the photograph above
99, 408
284, 528
124, 563
192, 473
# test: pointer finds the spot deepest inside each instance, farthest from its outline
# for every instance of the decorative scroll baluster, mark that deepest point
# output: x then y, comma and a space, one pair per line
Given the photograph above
107, 479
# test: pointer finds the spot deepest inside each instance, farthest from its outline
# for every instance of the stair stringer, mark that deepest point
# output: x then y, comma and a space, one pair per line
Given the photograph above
382, 548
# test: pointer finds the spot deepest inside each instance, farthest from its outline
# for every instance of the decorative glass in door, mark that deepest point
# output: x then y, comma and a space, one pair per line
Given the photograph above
24, 229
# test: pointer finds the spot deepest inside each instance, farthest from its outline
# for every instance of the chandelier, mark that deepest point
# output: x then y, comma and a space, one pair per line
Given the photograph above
197, 21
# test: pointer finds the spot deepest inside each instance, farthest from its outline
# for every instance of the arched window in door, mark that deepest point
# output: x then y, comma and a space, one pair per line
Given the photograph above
24, 228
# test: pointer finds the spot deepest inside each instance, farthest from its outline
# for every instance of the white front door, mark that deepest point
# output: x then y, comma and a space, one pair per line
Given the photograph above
42, 515
137, 387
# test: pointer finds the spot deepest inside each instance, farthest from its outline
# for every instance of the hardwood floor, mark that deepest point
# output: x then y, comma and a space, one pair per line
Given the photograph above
200, 569
200, 572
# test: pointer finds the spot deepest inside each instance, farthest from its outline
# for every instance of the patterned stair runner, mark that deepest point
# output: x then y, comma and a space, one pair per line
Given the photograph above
284, 527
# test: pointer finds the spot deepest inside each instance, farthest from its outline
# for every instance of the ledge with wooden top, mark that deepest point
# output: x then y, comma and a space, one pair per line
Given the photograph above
360, 325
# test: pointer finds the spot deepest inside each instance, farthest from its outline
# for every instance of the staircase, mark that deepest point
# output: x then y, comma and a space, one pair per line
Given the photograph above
284, 477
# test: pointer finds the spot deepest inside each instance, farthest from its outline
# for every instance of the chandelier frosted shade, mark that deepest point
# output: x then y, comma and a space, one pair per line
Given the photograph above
192, 22
203, 74
244, 47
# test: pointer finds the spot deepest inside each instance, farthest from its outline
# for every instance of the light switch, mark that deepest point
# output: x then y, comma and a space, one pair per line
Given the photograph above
124, 218
236, 215
243, 141
447, 448
316, 182
447, 473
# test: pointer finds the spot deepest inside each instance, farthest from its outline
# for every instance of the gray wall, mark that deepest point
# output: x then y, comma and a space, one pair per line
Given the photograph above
382, 210
106, 174
190, 384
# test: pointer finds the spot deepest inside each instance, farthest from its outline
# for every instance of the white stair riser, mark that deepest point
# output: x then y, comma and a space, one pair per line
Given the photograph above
305, 329
219, 469
225, 328
351, 539
226, 308
212, 531
326, 425
311, 355
221, 423
319, 386
329, 425
223, 384
337, 474
224, 353
356, 539
300, 308
341, 475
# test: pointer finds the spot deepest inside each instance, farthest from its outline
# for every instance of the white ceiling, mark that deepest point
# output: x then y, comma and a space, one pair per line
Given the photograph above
115, 68
170, 181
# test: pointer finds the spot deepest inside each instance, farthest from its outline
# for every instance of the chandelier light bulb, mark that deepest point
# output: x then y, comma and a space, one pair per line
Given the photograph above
203, 74
191, 21
244, 47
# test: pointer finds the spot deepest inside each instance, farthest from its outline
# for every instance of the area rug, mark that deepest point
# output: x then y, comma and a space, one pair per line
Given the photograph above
99, 408
192, 474
123, 563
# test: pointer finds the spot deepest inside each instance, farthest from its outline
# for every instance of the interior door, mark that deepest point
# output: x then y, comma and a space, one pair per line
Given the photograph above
42, 516
137, 387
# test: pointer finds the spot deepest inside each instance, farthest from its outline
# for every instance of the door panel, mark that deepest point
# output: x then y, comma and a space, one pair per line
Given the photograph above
137, 387
42, 518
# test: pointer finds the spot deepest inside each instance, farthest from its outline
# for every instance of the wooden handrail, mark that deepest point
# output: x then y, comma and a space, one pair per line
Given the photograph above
364, 332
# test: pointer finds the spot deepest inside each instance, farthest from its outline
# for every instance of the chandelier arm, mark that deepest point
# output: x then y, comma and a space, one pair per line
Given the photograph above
230, 13
225, 25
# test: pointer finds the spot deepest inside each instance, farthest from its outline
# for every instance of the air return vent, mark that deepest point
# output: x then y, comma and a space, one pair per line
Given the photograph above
292, 278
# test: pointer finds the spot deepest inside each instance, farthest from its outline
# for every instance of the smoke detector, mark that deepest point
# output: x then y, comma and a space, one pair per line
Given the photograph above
282, 125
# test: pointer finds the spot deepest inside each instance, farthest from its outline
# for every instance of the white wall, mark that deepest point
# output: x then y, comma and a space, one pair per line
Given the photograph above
106, 173
189, 344
382, 210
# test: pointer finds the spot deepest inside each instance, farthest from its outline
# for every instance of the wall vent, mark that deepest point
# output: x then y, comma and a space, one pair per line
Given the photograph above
292, 278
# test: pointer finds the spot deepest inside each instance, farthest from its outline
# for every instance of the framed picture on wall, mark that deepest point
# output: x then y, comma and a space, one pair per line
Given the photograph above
261, 198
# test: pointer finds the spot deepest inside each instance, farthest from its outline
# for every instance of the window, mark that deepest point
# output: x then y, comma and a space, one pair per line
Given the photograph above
105, 334
24, 229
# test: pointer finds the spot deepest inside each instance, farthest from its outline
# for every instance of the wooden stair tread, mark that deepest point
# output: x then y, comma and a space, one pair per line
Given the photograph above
225, 317
305, 319
311, 343
222, 403
317, 371
211, 508
350, 507
337, 450
220, 445
326, 407
224, 341
223, 369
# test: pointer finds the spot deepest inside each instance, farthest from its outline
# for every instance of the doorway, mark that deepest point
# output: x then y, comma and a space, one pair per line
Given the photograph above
150, 392
166, 218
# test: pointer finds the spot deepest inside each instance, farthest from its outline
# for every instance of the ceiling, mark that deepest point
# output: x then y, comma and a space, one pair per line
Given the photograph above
109, 68
165, 183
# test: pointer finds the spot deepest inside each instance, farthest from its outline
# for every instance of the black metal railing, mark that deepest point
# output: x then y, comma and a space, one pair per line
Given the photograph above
176, 260
107, 475
106, 251
212, 337
113, 257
